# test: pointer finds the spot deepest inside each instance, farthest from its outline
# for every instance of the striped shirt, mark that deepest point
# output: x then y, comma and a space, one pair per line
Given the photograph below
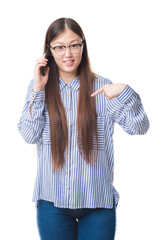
78, 184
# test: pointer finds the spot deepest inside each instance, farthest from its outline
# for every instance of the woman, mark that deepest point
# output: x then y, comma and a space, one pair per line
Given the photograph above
70, 114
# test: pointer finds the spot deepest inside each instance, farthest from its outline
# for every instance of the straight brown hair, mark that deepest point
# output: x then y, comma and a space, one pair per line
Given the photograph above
86, 112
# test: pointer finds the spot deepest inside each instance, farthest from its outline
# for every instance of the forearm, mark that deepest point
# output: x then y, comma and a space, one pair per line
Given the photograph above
32, 119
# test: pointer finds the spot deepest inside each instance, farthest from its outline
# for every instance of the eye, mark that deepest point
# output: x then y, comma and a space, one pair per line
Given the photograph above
60, 48
74, 46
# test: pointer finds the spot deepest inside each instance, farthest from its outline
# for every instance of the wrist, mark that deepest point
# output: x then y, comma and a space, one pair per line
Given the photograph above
37, 96
38, 88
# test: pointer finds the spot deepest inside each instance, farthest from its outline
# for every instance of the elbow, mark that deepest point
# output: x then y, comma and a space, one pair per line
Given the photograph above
28, 135
145, 130
137, 127
30, 139
142, 131
141, 128
144, 126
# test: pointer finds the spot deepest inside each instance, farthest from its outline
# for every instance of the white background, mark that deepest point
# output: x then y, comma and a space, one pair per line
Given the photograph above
127, 42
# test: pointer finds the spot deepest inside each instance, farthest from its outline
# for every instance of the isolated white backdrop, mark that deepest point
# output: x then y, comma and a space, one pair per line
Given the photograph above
127, 42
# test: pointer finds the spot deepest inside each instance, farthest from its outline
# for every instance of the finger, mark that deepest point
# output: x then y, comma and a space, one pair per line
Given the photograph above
40, 61
43, 59
39, 66
47, 70
100, 90
45, 54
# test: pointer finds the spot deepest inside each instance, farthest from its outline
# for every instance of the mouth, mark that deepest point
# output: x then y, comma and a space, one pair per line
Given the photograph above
69, 62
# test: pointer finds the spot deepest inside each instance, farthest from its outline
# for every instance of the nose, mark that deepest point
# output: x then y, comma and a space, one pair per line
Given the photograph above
67, 52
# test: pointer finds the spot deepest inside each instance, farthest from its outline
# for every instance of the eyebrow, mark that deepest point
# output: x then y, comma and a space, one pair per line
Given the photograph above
70, 42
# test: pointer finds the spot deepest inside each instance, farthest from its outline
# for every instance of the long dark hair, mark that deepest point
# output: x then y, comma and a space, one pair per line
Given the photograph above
86, 113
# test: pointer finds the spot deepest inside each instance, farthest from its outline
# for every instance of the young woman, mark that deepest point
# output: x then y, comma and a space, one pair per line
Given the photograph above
70, 114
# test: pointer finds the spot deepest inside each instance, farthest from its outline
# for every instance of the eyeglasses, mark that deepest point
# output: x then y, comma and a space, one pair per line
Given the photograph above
74, 48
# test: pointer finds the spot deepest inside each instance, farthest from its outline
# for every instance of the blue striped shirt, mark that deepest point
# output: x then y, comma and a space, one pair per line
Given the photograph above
78, 184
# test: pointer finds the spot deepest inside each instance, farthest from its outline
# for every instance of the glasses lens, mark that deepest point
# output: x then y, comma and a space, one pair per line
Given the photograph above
60, 50
75, 48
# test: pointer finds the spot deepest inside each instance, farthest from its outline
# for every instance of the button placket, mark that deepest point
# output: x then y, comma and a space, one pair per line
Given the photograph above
67, 175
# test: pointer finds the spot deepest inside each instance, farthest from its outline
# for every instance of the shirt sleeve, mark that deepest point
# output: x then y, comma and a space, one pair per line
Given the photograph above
30, 127
127, 110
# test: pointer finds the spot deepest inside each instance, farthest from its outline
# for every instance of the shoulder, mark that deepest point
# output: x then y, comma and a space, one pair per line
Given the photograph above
101, 81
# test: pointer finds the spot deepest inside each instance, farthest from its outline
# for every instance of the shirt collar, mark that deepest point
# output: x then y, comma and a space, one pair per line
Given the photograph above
74, 84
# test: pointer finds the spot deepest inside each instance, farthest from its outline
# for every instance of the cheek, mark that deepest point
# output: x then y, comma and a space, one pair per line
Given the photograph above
58, 61
79, 59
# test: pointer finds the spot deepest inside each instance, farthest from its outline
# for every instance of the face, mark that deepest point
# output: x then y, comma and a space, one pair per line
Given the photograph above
68, 62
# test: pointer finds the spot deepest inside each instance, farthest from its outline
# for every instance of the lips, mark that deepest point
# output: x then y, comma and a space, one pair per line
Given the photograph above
69, 62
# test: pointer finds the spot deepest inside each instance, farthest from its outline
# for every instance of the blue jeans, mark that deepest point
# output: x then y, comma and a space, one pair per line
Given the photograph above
75, 224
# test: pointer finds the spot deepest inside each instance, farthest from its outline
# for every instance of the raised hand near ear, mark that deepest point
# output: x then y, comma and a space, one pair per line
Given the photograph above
110, 90
39, 80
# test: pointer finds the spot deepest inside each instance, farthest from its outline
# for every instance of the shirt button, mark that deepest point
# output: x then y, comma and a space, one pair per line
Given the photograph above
66, 172
67, 156
68, 125
66, 188
68, 94
68, 109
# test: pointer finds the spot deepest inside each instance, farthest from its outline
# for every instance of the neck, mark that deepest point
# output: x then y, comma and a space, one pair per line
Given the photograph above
67, 77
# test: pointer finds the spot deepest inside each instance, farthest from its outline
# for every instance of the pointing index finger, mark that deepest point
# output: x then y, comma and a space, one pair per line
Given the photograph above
100, 90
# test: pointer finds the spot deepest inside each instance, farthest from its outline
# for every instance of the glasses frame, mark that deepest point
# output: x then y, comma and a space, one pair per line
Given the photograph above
67, 46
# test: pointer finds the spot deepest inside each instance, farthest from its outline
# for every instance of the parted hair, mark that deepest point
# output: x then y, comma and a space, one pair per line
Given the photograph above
86, 112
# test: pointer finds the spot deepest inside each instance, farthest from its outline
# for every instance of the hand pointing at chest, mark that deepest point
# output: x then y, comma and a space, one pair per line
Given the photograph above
110, 90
